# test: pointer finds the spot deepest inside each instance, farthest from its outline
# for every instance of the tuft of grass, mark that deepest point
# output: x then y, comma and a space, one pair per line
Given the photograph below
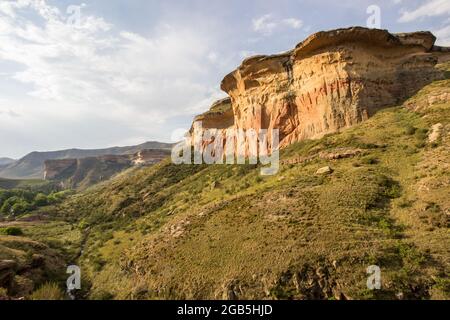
48, 291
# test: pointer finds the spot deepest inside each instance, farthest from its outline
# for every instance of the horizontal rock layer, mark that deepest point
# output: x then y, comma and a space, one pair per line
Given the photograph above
330, 81
90, 170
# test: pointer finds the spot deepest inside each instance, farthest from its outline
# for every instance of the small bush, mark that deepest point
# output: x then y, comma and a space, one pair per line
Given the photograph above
98, 263
12, 231
405, 203
422, 134
3, 293
421, 145
369, 160
410, 130
48, 291
40, 200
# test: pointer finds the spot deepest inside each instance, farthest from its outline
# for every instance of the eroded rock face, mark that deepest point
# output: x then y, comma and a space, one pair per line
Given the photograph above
149, 156
90, 170
330, 81
54, 168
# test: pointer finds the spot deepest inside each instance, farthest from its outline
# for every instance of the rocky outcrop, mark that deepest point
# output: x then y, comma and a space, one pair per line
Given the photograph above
219, 116
55, 168
87, 171
436, 132
330, 81
148, 157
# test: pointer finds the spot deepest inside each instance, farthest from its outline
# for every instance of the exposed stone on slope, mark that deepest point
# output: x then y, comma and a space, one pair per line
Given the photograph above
436, 131
325, 170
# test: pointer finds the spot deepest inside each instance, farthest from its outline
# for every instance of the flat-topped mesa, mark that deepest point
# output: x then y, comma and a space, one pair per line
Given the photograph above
332, 80
90, 170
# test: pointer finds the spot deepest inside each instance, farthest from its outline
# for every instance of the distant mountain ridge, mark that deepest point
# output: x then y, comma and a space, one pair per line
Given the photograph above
31, 166
6, 161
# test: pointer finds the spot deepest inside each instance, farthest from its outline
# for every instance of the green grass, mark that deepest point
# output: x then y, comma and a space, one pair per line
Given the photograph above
47, 292
11, 231
22, 184
201, 231
218, 232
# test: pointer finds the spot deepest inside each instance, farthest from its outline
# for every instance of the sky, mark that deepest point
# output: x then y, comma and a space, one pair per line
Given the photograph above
102, 73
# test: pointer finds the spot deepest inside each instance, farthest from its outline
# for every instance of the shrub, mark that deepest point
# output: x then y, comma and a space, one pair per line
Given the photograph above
48, 291
40, 200
98, 263
410, 130
421, 145
405, 203
21, 207
3, 293
12, 231
421, 135
369, 160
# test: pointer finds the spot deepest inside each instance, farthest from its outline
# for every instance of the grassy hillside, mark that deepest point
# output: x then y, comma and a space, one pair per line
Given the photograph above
225, 232
213, 232
22, 184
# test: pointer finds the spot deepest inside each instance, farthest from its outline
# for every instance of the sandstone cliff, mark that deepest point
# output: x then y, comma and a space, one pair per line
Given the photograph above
84, 172
31, 166
330, 81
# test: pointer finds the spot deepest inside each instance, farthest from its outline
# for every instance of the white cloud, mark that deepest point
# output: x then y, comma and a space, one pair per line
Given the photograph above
267, 24
443, 36
264, 24
93, 71
431, 8
293, 23
8, 112
246, 54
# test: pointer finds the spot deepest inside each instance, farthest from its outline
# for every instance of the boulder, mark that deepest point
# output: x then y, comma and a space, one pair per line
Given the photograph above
436, 132
325, 170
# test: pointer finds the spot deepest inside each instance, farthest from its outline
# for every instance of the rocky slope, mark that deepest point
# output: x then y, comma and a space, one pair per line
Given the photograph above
32, 165
330, 81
